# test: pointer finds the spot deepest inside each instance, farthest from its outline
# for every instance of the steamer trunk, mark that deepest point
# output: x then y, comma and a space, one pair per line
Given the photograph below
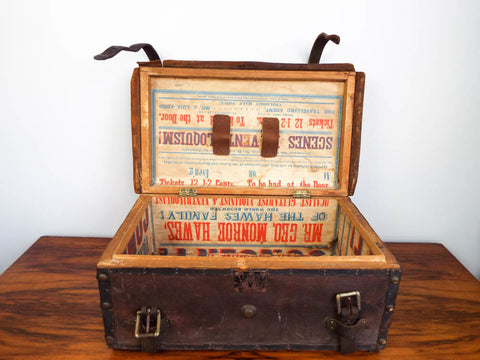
229, 301
243, 236
210, 317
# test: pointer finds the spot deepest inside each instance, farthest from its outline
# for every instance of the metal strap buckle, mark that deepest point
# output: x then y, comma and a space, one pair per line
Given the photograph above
348, 321
349, 295
147, 332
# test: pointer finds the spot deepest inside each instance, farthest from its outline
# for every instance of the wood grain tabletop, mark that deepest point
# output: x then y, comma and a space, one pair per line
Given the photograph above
49, 308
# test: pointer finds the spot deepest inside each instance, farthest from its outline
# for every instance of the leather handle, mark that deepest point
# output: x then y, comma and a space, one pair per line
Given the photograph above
319, 45
270, 137
221, 134
114, 50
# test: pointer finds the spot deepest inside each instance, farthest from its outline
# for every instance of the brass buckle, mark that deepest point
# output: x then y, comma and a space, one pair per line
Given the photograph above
340, 296
147, 333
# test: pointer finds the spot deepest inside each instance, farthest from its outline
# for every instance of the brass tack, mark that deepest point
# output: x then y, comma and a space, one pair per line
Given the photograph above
248, 311
105, 305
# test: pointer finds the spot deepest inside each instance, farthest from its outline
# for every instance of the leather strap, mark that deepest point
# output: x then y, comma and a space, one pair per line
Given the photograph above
114, 50
148, 345
221, 134
319, 44
347, 334
270, 137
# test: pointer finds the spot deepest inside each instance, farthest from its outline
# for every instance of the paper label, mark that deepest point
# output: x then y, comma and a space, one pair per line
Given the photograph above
350, 241
142, 240
309, 114
234, 226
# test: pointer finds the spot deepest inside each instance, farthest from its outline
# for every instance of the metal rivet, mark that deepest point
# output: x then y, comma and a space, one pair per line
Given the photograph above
248, 311
382, 341
395, 280
109, 339
102, 277
106, 305
390, 308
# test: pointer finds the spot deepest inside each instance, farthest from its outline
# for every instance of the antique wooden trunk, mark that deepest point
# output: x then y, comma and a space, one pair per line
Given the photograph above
243, 236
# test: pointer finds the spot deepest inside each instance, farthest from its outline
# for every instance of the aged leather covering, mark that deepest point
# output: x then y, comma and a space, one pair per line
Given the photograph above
114, 50
221, 134
203, 307
251, 65
270, 137
318, 46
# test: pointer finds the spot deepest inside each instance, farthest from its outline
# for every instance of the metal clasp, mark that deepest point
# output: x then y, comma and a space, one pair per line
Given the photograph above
301, 194
187, 192
348, 295
147, 332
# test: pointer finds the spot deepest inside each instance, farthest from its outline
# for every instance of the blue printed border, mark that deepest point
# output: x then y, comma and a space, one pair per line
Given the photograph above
336, 97
246, 94
150, 208
222, 244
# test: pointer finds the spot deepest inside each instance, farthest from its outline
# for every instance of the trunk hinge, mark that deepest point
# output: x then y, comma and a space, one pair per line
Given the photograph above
348, 321
302, 194
188, 192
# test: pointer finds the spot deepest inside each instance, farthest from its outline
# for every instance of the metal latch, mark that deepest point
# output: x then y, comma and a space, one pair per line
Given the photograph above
147, 327
301, 194
348, 320
187, 192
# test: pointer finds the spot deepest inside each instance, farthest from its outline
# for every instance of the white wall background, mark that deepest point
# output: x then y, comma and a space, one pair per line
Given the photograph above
65, 148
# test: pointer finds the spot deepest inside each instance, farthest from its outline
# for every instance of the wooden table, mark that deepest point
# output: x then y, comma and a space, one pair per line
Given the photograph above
49, 308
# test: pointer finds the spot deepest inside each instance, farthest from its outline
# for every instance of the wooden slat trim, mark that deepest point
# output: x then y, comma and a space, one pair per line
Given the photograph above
248, 263
145, 134
370, 236
242, 74
136, 139
147, 73
159, 190
346, 134
251, 65
125, 231
356, 131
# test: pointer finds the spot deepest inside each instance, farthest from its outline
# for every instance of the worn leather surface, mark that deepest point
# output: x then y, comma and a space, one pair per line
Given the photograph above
115, 49
249, 65
270, 137
319, 45
221, 134
203, 308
